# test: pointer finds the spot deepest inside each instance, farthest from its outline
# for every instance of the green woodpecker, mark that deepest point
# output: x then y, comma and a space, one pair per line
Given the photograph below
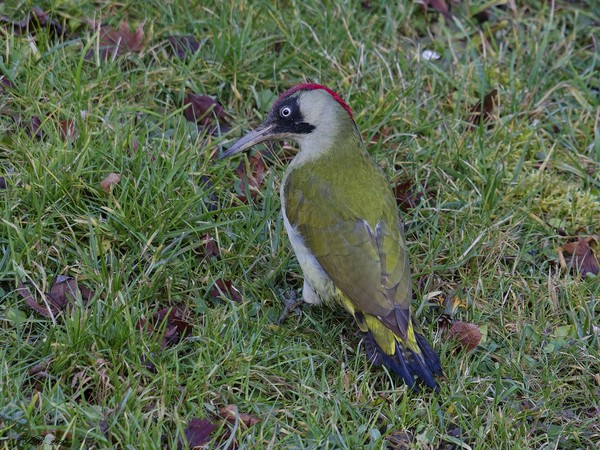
342, 221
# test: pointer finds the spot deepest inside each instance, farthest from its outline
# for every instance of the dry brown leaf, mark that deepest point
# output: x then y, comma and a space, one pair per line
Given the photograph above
211, 248
580, 255
202, 109
62, 296
37, 374
134, 144
230, 412
183, 46
32, 303
399, 440
211, 200
39, 367
440, 6
407, 196
174, 323
65, 291
482, 112
34, 128
110, 181
226, 287
36, 19
198, 434
453, 433
379, 135
466, 334
5, 83
482, 16
253, 179
114, 42
67, 129
148, 364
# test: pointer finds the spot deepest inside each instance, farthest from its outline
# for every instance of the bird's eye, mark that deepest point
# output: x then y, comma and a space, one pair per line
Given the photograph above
285, 112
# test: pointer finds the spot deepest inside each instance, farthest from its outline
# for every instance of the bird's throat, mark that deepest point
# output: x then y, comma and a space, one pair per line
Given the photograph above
335, 146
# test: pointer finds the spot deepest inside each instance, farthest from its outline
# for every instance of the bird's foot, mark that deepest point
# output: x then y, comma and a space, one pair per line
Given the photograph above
291, 303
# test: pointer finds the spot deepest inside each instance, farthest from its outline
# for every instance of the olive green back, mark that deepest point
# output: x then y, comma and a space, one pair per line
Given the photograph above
344, 209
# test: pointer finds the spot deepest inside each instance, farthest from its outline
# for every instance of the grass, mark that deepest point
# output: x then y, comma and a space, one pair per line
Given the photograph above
497, 203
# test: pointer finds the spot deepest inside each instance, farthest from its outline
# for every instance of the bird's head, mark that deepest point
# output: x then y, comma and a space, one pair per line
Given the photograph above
310, 114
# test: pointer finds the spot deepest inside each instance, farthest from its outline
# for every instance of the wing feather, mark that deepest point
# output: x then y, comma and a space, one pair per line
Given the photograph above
360, 246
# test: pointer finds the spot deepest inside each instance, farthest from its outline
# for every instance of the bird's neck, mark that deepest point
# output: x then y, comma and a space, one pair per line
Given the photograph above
335, 140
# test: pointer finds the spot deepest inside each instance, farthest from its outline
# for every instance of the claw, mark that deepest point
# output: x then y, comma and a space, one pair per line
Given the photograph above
291, 303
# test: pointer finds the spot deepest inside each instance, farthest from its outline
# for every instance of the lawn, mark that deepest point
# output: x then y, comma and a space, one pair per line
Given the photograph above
141, 277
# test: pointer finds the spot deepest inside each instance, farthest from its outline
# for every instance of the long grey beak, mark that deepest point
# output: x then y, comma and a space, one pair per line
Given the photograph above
260, 134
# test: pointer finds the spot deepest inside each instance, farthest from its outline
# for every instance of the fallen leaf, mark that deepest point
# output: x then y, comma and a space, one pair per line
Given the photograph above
482, 16
406, 196
104, 427
30, 300
230, 412
482, 111
134, 144
183, 46
65, 291
526, 405
580, 256
5, 83
211, 248
42, 20
109, 182
67, 129
37, 374
34, 128
62, 296
211, 201
440, 6
175, 318
113, 42
39, 367
225, 287
453, 436
36, 19
399, 440
172, 321
148, 364
253, 179
197, 434
454, 431
379, 136
202, 109
466, 334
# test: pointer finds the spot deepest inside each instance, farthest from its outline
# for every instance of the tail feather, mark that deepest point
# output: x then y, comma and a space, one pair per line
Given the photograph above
433, 360
406, 363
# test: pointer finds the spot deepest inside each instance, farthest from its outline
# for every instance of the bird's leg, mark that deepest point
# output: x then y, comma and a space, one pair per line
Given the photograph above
290, 302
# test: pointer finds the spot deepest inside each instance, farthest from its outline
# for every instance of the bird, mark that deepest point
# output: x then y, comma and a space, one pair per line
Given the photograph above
343, 225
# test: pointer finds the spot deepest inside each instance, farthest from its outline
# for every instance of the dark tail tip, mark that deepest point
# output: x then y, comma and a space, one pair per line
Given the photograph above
407, 364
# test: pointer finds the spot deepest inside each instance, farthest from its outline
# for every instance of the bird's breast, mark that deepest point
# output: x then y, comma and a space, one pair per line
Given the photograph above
312, 271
